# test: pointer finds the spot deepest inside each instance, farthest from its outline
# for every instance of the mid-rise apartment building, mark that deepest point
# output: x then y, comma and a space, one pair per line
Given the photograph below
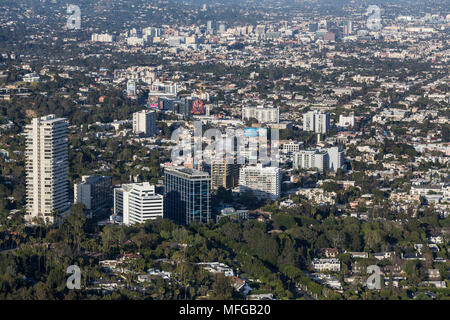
291, 147
224, 174
261, 113
144, 122
311, 159
320, 159
263, 182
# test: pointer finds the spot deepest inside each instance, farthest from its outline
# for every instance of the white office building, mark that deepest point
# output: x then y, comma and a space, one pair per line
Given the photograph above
263, 182
311, 159
137, 203
262, 114
316, 121
144, 122
46, 152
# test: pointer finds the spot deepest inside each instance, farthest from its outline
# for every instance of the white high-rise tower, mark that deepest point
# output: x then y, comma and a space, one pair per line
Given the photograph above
46, 168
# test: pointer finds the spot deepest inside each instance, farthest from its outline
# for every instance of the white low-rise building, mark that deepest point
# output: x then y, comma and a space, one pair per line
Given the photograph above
332, 264
346, 121
217, 267
105, 37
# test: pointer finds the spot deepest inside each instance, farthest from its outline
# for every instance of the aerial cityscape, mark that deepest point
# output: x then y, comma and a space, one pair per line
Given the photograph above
224, 150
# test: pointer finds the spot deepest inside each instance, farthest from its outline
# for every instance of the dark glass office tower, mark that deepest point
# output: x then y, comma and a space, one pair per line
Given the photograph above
187, 195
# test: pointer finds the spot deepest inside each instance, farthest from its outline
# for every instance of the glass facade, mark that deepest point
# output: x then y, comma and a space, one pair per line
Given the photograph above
187, 195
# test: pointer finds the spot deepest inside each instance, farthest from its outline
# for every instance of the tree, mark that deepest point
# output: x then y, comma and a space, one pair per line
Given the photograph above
414, 270
283, 221
330, 186
221, 288
76, 221
42, 292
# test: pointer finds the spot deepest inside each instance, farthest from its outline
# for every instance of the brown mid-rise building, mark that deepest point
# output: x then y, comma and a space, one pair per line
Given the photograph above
224, 174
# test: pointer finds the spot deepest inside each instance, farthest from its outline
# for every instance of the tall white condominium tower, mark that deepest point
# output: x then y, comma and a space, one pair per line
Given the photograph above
144, 122
138, 202
316, 121
263, 182
46, 168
